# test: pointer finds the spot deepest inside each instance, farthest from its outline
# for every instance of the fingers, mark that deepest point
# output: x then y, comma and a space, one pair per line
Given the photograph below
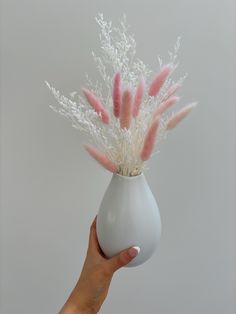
92, 230
94, 247
93, 225
117, 261
93, 242
123, 258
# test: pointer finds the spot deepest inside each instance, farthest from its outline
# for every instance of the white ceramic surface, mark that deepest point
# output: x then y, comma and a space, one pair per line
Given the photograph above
129, 216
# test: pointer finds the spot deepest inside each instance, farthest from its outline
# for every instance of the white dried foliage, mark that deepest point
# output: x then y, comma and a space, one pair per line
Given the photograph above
118, 53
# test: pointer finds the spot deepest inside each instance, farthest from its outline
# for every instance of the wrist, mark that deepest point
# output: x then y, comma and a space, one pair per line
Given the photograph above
76, 309
83, 308
77, 305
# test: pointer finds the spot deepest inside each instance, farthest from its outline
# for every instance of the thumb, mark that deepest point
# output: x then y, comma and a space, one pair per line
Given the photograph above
123, 258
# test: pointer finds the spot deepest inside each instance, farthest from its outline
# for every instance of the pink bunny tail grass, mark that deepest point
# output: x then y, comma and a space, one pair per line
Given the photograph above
117, 94
126, 109
101, 158
159, 80
150, 139
138, 98
172, 89
165, 105
179, 116
96, 104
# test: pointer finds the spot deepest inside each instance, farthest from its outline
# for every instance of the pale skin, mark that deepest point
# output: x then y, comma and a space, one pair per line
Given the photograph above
92, 287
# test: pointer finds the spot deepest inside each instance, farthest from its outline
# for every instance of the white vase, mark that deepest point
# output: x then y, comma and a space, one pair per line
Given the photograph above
129, 216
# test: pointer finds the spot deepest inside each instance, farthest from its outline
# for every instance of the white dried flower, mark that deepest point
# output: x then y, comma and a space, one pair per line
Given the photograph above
118, 54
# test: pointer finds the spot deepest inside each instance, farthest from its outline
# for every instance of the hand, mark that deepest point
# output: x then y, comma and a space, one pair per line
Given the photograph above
93, 284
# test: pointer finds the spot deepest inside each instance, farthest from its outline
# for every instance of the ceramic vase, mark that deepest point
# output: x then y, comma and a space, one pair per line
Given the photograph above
129, 216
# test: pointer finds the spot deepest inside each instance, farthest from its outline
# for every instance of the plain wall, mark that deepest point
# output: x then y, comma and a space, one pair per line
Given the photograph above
51, 189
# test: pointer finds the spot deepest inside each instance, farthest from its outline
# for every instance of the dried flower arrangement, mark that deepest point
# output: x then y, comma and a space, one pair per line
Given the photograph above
126, 115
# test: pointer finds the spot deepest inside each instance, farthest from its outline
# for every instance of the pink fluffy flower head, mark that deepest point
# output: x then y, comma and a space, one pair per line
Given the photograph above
126, 109
159, 80
117, 94
150, 139
101, 158
97, 105
179, 116
138, 98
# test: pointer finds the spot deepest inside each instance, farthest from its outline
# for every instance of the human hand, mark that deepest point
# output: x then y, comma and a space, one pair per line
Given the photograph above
92, 287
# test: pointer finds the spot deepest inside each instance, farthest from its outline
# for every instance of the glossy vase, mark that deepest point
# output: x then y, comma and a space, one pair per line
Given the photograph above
129, 216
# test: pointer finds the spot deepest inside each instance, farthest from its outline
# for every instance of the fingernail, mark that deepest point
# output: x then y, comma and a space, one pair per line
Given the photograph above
133, 251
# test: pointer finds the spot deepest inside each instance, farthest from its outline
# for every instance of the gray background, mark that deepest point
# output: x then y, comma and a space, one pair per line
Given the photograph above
51, 190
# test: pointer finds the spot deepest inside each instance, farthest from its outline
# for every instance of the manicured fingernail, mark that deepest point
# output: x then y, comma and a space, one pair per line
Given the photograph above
133, 251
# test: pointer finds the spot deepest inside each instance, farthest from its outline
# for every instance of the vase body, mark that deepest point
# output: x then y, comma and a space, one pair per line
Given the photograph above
129, 216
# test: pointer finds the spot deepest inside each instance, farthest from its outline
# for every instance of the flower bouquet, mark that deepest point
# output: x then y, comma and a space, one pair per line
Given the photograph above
125, 117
